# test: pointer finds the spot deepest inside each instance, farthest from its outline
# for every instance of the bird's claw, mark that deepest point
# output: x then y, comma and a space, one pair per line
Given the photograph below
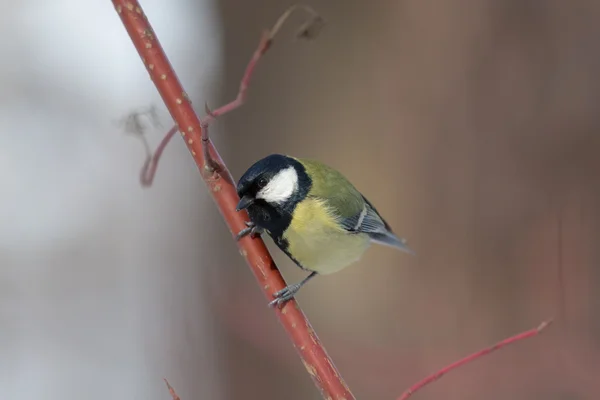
284, 295
251, 229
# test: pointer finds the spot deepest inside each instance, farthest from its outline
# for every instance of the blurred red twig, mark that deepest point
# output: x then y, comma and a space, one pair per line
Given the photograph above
222, 189
434, 377
172, 391
149, 168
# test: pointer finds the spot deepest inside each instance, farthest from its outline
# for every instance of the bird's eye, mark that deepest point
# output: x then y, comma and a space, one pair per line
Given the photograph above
262, 182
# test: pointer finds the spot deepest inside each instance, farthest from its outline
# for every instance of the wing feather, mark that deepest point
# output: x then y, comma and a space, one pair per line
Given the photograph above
354, 212
370, 222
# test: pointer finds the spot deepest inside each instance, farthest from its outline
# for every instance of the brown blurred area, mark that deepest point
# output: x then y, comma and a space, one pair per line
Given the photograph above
473, 128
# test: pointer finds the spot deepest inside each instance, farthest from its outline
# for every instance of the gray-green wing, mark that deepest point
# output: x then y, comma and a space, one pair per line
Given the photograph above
332, 186
356, 213
370, 222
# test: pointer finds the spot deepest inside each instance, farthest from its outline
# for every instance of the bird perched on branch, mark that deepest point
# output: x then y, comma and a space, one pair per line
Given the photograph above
313, 214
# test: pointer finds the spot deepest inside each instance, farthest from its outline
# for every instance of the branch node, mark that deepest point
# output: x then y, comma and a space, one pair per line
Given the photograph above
208, 110
210, 165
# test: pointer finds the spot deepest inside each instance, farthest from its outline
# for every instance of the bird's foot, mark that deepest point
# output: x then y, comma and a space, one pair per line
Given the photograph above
288, 292
285, 294
251, 229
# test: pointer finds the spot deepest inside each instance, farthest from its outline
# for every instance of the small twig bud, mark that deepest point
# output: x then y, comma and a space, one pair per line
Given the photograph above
311, 29
315, 20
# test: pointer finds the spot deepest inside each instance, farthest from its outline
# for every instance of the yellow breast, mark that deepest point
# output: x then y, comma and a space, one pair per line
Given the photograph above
318, 243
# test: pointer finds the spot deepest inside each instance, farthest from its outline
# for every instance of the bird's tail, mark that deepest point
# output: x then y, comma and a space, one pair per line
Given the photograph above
389, 239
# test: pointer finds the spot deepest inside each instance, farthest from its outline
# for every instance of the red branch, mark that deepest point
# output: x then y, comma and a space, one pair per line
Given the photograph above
222, 188
171, 390
457, 364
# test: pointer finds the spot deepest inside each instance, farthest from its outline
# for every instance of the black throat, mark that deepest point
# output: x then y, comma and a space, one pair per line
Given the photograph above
277, 218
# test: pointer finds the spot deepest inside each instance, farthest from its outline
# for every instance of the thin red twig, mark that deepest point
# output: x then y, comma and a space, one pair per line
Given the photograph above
222, 188
308, 31
172, 391
432, 378
151, 164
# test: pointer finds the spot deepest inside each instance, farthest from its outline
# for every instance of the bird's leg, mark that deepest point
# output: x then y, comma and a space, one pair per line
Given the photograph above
288, 292
251, 229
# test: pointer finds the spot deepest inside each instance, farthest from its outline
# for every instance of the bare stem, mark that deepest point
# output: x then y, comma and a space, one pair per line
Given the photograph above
434, 377
209, 163
151, 164
174, 395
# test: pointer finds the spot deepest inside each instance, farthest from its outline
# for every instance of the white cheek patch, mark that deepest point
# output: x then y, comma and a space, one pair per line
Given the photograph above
281, 187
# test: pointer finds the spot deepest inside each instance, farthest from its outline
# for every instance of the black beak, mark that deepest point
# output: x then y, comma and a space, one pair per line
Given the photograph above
245, 201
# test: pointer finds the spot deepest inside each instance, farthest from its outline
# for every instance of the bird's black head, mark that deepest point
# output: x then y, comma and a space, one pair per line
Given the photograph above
272, 187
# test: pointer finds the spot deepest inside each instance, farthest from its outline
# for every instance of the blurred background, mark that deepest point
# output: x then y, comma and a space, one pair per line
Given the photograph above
472, 126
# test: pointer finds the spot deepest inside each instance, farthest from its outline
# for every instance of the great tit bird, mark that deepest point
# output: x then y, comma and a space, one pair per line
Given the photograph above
313, 214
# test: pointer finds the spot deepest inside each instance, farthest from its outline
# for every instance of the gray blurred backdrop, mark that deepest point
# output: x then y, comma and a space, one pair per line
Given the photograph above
471, 125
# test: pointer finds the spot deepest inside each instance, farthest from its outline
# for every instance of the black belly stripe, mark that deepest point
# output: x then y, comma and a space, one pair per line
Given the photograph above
283, 245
